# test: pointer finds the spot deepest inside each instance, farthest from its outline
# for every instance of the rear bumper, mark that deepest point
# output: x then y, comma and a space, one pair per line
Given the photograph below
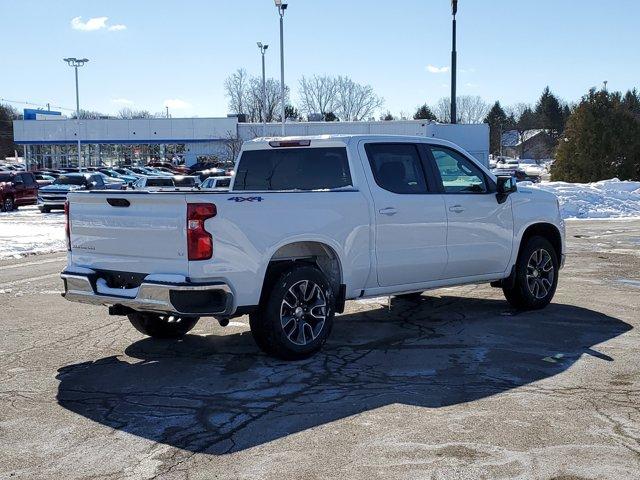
184, 298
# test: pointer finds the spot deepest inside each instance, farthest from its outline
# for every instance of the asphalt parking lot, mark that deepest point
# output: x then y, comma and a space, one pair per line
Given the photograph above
455, 385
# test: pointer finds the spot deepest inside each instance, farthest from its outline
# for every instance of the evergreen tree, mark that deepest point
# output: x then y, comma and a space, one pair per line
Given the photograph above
631, 101
549, 113
291, 112
528, 120
424, 113
498, 123
387, 117
7, 115
331, 117
601, 141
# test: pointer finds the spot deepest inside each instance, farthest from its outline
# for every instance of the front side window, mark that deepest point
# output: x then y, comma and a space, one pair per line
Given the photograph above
293, 169
396, 167
458, 174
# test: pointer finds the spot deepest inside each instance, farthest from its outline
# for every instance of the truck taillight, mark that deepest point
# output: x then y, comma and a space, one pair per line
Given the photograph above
199, 241
67, 225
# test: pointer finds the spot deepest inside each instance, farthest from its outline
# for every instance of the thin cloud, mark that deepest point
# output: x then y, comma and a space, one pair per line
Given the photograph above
433, 69
122, 101
176, 103
95, 23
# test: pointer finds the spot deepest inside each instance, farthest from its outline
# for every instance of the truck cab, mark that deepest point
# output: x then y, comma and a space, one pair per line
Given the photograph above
309, 223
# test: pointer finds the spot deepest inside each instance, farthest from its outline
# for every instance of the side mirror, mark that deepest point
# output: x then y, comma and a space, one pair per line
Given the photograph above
506, 185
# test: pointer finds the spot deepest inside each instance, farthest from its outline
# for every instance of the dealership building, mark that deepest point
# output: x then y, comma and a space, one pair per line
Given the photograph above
51, 141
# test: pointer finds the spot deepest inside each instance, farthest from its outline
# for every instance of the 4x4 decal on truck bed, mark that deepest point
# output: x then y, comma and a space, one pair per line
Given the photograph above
245, 199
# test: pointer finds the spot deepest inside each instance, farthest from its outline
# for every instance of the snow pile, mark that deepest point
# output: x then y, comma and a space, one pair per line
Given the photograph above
27, 231
604, 199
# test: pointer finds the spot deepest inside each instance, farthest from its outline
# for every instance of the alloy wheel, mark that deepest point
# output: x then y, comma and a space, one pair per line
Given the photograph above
303, 312
540, 273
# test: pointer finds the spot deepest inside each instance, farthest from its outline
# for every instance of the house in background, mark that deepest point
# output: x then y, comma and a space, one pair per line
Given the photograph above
536, 144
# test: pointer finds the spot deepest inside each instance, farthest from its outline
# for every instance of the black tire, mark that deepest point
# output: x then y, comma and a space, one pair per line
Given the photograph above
296, 314
410, 296
533, 288
162, 326
8, 205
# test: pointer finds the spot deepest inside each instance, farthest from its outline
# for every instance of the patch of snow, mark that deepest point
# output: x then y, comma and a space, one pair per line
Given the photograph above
27, 231
605, 199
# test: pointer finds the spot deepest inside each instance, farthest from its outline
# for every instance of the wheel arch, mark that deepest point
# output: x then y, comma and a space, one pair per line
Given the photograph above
546, 230
311, 251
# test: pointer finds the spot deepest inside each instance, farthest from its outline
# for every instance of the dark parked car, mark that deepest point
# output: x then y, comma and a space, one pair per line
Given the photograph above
17, 189
53, 196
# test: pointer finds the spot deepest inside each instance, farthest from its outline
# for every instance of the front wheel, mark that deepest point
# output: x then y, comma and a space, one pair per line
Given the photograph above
536, 276
296, 315
162, 326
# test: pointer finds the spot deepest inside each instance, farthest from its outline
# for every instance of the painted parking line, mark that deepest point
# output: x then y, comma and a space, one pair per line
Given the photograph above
29, 280
30, 264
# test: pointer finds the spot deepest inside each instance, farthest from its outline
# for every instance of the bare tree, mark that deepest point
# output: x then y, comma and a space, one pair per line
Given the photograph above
236, 86
254, 103
317, 94
232, 144
471, 109
355, 102
442, 110
128, 113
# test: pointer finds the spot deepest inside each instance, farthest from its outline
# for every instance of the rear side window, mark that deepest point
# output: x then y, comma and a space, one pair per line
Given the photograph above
396, 167
159, 182
293, 169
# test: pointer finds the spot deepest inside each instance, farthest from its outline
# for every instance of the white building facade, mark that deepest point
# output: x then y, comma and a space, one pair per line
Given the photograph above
50, 143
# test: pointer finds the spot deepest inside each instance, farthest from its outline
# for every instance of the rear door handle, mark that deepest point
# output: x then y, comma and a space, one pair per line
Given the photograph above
456, 209
388, 211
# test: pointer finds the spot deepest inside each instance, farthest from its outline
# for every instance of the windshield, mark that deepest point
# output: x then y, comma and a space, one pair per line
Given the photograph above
5, 178
69, 180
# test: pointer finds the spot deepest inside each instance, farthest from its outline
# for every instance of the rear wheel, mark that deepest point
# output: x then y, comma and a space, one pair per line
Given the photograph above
162, 326
536, 276
8, 205
296, 315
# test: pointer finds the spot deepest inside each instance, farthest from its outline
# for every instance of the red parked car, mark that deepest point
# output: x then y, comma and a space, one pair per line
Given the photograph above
17, 190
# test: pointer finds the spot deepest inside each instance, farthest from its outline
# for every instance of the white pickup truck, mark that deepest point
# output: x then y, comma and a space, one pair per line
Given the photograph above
308, 223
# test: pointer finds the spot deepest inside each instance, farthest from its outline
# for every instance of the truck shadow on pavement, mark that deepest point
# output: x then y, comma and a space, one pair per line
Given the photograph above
218, 394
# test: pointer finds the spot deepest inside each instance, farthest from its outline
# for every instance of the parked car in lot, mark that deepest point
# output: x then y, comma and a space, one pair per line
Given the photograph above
54, 196
216, 183
43, 179
307, 224
532, 168
17, 189
113, 174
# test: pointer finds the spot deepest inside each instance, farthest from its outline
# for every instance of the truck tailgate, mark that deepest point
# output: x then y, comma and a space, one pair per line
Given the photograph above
129, 231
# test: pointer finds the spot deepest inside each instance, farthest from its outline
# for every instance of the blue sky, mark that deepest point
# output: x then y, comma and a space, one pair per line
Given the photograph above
149, 52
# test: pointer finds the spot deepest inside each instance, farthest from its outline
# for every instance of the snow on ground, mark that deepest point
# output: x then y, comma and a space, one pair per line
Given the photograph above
27, 231
604, 199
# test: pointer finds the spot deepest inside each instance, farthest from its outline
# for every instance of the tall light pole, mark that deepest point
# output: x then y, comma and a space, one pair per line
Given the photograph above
75, 63
454, 62
263, 49
281, 8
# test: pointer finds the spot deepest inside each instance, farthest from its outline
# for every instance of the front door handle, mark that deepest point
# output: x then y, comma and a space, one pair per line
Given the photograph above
388, 211
456, 209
